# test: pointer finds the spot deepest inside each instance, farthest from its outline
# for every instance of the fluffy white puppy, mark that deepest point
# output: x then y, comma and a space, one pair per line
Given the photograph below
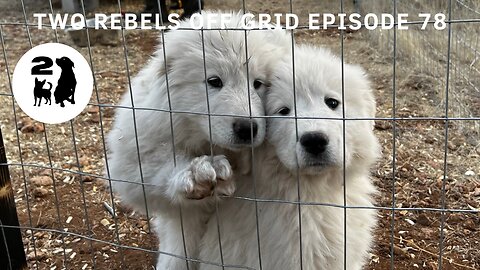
316, 148
176, 163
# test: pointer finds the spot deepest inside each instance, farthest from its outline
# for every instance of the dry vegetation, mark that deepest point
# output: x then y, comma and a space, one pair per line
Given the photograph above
426, 50
60, 210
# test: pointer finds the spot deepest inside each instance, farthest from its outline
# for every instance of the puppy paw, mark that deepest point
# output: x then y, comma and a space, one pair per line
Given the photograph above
202, 180
209, 175
225, 183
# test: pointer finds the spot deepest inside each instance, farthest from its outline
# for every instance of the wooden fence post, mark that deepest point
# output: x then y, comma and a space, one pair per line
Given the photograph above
12, 254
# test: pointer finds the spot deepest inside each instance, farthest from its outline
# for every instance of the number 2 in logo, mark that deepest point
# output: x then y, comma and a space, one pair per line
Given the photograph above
42, 69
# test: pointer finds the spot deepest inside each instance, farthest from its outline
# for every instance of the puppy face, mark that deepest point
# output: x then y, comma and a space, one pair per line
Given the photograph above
218, 72
317, 144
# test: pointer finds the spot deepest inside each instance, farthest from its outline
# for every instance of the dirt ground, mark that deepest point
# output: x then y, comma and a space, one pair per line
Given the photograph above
62, 213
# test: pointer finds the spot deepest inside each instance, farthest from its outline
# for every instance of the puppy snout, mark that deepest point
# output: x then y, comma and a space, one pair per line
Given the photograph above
314, 143
245, 130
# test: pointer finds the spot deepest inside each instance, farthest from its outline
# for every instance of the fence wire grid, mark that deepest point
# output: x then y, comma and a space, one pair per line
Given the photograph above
427, 86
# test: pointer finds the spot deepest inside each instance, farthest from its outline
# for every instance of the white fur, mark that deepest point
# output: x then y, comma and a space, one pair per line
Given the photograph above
318, 76
194, 174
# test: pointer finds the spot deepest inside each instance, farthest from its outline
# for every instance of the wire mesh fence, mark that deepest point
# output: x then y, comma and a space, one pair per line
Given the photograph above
427, 88
427, 50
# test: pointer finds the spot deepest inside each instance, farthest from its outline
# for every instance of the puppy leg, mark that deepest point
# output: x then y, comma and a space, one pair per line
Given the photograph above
171, 238
35, 104
190, 183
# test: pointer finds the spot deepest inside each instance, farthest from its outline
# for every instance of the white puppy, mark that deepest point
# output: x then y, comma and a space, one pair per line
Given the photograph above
316, 148
179, 170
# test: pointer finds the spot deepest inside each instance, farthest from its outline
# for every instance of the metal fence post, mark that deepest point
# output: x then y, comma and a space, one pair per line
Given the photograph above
12, 254
356, 4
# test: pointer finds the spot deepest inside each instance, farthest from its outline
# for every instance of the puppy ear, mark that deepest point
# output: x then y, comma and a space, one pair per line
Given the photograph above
71, 62
36, 80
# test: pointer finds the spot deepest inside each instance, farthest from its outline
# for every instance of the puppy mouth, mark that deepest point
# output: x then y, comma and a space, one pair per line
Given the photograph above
315, 167
317, 163
240, 145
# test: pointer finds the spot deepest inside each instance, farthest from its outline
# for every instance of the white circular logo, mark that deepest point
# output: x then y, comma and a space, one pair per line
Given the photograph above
52, 83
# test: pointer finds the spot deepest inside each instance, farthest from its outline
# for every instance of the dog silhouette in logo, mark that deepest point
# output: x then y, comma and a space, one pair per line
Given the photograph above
65, 89
39, 92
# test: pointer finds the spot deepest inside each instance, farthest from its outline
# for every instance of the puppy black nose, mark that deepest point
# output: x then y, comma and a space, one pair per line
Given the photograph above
314, 143
244, 129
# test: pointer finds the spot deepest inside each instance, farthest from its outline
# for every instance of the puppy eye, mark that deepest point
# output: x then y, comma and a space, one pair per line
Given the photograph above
284, 111
257, 84
215, 81
332, 103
